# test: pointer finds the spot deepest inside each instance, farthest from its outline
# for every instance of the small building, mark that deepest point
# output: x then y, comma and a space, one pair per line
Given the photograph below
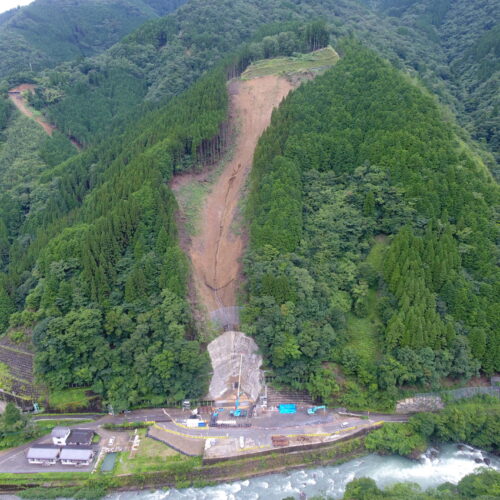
60, 435
77, 455
43, 454
80, 437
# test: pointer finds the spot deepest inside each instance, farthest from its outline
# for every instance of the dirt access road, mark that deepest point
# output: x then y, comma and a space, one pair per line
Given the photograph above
217, 249
16, 96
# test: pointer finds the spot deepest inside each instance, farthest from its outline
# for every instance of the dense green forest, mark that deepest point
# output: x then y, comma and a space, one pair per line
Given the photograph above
90, 98
47, 32
101, 277
372, 239
25, 153
163, 57
465, 36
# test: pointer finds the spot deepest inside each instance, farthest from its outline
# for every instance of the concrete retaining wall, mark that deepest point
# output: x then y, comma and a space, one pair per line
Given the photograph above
292, 449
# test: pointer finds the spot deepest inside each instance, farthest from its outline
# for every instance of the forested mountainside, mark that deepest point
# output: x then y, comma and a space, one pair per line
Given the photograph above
48, 32
96, 270
371, 264
372, 239
98, 273
165, 56
466, 35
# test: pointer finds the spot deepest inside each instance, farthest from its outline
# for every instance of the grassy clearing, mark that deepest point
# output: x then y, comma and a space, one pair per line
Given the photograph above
69, 399
376, 256
364, 332
319, 60
151, 456
190, 198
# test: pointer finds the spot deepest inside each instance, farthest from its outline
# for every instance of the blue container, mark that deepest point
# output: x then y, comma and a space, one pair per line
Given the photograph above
287, 409
202, 424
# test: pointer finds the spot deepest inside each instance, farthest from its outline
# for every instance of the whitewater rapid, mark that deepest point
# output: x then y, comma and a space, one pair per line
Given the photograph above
451, 465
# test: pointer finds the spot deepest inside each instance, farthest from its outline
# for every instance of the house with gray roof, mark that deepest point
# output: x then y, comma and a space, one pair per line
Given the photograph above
59, 435
77, 455
80, 437
43, 454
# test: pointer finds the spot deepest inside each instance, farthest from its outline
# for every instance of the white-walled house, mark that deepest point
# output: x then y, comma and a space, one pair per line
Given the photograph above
77, 455
43, 454
60, 435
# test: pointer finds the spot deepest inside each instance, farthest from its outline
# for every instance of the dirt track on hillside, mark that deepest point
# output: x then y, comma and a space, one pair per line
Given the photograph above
216, 251
15, 95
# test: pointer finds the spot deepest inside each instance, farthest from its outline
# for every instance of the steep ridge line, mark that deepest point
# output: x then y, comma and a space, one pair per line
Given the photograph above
216, 251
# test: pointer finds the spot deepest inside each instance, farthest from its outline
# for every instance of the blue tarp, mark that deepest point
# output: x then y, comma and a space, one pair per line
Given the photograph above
287, 409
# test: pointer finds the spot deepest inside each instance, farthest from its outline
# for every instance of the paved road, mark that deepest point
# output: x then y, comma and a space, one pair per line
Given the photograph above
264, 425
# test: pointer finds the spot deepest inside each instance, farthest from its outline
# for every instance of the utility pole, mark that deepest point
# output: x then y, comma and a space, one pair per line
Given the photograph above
239, 380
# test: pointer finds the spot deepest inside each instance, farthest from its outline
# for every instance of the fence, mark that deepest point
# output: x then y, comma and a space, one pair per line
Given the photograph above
465, 392
226, 318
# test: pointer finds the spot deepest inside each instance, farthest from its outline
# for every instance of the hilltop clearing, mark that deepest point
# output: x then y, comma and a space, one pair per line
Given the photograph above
311, 63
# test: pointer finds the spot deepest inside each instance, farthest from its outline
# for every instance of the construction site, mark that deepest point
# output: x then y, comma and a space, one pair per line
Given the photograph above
246, 416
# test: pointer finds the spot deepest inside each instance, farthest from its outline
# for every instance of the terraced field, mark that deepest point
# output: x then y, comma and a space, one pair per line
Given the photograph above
19, 360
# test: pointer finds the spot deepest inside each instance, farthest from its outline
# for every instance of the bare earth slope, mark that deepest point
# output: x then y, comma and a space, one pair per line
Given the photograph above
216, 250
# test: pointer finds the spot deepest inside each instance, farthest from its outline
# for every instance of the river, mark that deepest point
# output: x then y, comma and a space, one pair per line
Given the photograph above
451, 465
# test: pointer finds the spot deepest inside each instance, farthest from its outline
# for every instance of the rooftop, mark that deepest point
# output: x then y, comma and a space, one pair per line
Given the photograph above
76, 453
60, 432
43, 452
79, 436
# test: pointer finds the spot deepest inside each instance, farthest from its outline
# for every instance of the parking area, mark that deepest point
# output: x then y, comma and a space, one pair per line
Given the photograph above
16, 462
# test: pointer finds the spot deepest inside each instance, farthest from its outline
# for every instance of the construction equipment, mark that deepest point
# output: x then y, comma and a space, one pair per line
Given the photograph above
314, 409
238, 413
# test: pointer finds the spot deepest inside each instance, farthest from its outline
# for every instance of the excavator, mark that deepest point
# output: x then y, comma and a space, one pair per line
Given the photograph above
314, 409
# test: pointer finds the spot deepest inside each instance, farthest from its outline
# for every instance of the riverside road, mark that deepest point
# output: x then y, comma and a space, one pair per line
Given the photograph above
263, 426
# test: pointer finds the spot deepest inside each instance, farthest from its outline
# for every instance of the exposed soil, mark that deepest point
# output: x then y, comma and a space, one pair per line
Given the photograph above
16, 96
216, 250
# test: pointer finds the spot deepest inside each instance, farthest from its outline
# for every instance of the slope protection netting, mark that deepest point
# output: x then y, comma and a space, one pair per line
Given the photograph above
229, 353
226, 318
